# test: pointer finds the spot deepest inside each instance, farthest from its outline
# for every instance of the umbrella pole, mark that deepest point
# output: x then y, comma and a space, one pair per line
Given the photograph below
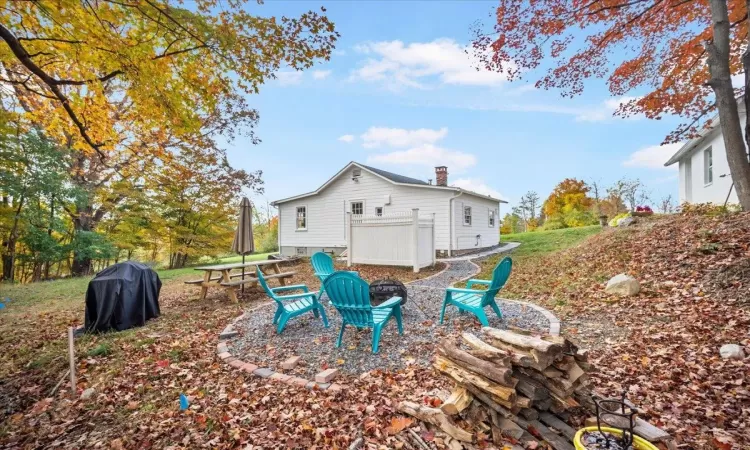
243, 273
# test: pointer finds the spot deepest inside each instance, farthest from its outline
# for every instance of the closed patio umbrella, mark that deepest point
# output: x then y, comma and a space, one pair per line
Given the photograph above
243, 238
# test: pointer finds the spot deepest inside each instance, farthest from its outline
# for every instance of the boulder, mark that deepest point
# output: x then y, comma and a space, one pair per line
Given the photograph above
626, 221
623, 284
88, 393
731, 351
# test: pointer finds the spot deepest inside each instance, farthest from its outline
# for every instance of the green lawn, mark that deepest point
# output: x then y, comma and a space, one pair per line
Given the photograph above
535, 244
540, 242
75, 288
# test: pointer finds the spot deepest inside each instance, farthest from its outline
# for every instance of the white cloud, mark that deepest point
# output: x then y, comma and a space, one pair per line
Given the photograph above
289, 77
477, 185
321, 74
427, 155
346, 138
653, 157
399, 65
603, 111
600, 112
399, 137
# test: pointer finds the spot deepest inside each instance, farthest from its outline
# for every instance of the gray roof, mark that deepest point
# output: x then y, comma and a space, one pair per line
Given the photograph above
396, 178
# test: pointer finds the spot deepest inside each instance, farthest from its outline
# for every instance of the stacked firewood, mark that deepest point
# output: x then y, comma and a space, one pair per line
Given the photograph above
510, 387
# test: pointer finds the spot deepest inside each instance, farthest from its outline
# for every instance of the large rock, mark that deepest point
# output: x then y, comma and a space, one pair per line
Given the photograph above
623, 284
626, 221
731, 351
88, 393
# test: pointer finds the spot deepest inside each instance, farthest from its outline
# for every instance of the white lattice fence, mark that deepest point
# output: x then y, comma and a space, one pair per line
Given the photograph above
396, 239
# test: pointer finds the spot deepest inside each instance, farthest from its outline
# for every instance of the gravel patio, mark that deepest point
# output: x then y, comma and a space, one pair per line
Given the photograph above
305, 336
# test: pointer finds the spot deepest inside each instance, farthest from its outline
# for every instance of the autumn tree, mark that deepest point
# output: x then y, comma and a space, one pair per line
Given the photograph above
126, 85
568, 205
665, 57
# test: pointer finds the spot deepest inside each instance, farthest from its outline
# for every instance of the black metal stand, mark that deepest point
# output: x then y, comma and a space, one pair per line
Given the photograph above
615, 410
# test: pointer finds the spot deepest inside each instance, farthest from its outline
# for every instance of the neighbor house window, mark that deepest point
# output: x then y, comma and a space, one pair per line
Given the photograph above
708, 166
491, 220
378, 210
358, 208
467, 215
302, 217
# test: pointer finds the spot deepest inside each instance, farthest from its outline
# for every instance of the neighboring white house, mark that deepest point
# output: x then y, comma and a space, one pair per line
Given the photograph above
316, 221
704, 170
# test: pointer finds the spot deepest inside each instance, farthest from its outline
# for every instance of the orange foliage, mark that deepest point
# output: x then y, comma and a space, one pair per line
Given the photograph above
569, 194
652, 45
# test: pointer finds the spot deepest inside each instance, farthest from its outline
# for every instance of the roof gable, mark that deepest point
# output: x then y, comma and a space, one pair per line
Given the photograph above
391, 177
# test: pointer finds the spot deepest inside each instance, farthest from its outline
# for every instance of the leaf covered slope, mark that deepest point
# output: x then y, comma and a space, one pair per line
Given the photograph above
662, 345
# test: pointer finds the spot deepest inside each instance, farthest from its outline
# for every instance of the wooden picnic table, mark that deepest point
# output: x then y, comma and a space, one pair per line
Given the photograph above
225, 278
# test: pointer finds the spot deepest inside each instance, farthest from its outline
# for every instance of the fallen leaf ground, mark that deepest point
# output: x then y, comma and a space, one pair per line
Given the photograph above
661, 345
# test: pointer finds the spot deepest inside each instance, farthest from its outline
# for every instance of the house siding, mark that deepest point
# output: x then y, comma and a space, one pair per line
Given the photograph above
465, 236
326, 211
692, 188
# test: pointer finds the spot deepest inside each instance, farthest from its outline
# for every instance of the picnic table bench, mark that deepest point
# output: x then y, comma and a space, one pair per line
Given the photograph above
270, 269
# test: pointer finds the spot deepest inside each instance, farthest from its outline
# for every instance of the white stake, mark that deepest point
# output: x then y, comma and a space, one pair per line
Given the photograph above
72, 355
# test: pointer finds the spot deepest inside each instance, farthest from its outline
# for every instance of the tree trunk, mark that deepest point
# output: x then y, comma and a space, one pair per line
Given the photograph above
9, 258
82, 222
721, 83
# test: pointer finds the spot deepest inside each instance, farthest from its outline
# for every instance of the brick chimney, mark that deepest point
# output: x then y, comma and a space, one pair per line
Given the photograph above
441, 176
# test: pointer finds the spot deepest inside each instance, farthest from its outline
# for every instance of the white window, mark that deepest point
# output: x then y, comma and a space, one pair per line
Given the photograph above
302, 217
708, 166
491, 219
358, 208
467, 215
378, 210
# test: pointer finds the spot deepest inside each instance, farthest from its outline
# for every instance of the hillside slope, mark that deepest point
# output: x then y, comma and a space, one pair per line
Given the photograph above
662, 345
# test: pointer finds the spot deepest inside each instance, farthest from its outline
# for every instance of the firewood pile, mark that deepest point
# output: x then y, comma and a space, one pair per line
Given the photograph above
511, 388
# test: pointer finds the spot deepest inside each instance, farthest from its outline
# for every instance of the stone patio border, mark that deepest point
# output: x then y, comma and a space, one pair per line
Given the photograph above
222, 351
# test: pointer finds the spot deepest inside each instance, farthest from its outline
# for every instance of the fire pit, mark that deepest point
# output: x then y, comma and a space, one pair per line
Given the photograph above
383, 290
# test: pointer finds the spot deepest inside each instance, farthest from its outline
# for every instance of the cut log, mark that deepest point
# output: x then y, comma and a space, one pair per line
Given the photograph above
437, 418
556, 441
559, 386
523, 358
649, 432
478, 416
461, 375
582, 355
483, 350
543, 405
525, 342
496, 373
531, 388
459, 400
574, 373
507, 428
529, 413
522, 402
551, 372
554, 422
500, 407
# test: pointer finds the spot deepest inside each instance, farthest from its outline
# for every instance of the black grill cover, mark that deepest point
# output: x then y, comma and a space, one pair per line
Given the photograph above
382, 290
122, 296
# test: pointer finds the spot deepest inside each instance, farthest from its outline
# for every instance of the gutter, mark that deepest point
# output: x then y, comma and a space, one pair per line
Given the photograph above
452, 223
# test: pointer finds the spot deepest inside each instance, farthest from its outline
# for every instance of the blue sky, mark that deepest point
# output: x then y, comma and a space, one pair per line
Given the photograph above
400, 93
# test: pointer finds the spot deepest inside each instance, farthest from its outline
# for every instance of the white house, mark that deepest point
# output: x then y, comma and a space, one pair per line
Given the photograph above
704, 170
316, 221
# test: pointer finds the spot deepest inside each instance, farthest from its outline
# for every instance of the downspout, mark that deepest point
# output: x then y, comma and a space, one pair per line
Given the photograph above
278, 237
452, 223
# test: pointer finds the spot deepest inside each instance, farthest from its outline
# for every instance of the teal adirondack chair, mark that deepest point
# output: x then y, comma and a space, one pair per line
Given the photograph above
292, 305
475, 300
350, 295
323, 266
